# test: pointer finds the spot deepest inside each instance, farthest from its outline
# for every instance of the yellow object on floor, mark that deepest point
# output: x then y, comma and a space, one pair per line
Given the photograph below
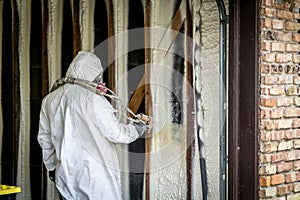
6, 189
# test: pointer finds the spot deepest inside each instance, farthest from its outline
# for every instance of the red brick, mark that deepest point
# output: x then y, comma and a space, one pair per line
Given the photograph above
277, 91
292, 90
287, 79
297, 144
277, 24
269, 147
296, 123
292, 112
284, 167
283, 123
296, 58
276, 113
268, 12
293, 196
296, 80
267, 192
266, 23
266, 46
282, 36
267, 125
296, 37
293, 155
297, 101
267, 34
268, 102
280, 5
277, 179
292, 134
296, 15
284, 14
292, 26
264, 91
297, 133
264, 69
297, 188
267, 170
291, 69
281, 190
269, 80
265, 158
277, 157
297, 165
285, 145
265, 136
285, 101
292, 47
292, 177
268, 57
267, 3
277, 135
283, 58
278, 46
277, 69
265, 181
265, 114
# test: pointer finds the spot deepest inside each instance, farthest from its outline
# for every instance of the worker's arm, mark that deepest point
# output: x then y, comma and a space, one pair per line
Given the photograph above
110, 126
44, 139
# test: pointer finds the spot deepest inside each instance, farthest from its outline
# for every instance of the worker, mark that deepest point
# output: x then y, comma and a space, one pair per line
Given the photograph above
78, 132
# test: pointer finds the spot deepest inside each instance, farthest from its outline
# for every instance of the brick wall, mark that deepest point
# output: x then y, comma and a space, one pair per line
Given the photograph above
279, 156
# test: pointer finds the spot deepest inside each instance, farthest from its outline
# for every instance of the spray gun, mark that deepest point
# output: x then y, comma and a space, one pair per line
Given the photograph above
101, 89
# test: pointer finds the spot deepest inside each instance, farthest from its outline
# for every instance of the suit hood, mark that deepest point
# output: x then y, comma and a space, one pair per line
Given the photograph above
85, 66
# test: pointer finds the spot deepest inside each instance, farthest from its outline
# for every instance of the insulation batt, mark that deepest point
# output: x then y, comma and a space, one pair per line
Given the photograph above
78, 131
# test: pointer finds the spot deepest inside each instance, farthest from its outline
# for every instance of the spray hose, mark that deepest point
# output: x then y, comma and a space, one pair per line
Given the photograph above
101, 89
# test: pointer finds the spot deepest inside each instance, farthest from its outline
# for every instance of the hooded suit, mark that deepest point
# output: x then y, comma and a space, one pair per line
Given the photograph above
78, 131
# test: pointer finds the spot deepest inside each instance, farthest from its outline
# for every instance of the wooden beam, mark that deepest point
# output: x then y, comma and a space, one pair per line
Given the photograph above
111, 45
148, 96
139, 94
190, 118
175, 25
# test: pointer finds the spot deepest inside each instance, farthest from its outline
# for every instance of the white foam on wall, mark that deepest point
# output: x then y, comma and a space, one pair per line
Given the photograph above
198, 84
209, 86
121, 84
209, 55
86, 20
167, 161
168, 146
54, 39
23, 176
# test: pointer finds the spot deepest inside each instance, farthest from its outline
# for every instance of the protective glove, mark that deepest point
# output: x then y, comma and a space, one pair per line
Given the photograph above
145, 118
140, 128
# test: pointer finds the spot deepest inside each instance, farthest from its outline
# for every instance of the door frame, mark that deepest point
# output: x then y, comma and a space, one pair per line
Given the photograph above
243, 100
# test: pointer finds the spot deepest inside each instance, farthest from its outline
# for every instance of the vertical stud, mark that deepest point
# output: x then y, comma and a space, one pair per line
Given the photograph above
148, 96
111, 44
190, 131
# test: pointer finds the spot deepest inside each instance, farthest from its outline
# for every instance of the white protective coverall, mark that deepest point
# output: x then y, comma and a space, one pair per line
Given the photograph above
78, 131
